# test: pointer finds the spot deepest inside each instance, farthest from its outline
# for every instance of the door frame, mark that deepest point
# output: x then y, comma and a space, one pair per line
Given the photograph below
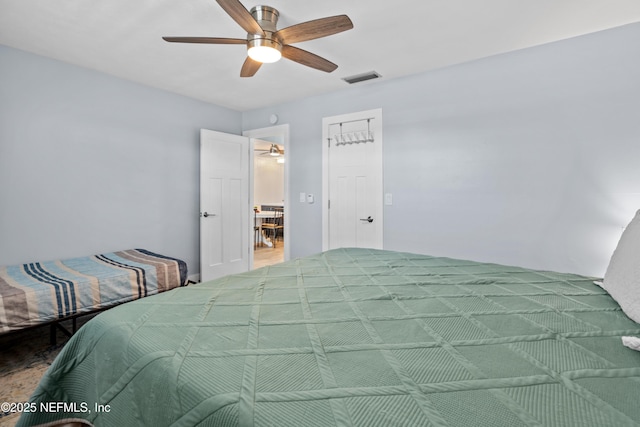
281, 131
376, 115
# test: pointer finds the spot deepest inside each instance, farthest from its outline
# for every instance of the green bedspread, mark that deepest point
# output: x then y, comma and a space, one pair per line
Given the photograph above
356, 337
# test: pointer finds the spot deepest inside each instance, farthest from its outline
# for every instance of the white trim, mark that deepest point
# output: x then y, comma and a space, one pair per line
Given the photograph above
278, 131
326, 122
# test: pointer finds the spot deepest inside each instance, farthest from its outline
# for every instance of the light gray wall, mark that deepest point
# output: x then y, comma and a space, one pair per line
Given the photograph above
90, 163
268, 180
528, 158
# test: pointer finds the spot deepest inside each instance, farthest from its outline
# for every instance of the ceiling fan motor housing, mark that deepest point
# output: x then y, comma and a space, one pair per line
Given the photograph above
267, 18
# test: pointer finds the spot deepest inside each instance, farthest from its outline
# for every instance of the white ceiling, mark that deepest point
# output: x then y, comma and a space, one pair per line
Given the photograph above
392, 37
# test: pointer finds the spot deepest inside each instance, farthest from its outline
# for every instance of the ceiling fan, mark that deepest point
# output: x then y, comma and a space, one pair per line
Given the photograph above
273, 151
265, 43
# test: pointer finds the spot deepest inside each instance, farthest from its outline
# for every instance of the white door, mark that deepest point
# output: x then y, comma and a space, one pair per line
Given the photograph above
353, 183
224, 204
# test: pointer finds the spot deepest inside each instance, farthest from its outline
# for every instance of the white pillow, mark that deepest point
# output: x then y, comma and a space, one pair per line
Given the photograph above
631, 342
622, 279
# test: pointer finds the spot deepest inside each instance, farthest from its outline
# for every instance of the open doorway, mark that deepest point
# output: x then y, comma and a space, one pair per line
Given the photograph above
268, 201
269, 195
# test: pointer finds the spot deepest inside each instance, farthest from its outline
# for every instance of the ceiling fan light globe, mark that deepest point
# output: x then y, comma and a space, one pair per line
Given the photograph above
264, 54
264, 50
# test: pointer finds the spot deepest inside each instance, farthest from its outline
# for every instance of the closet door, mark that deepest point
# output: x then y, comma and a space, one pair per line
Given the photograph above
353, 186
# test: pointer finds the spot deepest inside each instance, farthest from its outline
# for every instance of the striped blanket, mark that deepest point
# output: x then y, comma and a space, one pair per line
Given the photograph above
42, 292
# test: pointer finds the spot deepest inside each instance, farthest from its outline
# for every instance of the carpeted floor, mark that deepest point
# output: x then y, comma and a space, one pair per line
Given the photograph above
24, 358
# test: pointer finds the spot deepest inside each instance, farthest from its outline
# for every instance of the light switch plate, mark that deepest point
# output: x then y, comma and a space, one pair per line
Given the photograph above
388, 199
303, 197
310, 198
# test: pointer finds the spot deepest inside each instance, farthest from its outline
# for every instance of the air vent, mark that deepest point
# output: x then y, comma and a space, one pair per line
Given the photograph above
362, 77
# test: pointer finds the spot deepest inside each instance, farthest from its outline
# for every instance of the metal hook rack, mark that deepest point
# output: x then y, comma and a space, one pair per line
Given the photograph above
358, 137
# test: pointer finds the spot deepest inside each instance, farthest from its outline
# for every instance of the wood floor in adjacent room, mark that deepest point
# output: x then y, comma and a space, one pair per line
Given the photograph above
264, 255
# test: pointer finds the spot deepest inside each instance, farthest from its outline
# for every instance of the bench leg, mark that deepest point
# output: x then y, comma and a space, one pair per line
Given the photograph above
55, 326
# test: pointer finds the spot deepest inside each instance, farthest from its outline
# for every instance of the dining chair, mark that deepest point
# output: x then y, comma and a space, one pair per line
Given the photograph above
275, 225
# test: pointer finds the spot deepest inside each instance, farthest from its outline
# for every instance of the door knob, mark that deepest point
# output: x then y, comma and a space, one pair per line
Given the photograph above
207, 214
368, 219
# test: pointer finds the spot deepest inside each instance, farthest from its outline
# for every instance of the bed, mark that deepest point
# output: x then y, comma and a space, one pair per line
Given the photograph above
356, 337
44, 292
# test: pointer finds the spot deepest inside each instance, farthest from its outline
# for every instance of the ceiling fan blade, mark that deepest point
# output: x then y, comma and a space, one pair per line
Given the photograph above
250, 67
206, 40
307, 58
241, 15
314, 29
